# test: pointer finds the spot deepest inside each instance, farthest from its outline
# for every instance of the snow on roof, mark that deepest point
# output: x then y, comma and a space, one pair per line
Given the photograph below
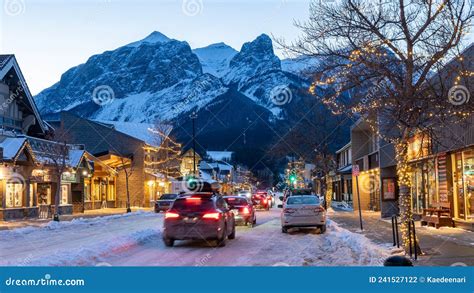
220, 166
219, 155
204, 165
140, 131
75, 157
11, 146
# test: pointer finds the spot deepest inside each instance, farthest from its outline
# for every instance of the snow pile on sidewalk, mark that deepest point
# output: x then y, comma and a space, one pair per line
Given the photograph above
353, 248
82, 241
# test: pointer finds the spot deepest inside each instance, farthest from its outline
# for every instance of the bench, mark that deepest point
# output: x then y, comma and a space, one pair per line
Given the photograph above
438, 215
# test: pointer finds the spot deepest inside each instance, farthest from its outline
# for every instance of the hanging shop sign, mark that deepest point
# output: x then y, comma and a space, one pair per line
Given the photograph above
68, 177
389, 189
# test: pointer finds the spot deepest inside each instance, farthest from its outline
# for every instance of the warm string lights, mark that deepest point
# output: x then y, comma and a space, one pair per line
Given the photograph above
166, 158
342, 79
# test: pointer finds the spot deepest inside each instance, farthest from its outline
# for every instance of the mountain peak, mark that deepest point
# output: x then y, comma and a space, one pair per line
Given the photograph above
255, 58
153, 38
262, 44
215, 58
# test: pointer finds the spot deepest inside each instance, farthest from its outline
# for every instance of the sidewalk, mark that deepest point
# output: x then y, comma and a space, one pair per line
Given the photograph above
441, 247
13, 224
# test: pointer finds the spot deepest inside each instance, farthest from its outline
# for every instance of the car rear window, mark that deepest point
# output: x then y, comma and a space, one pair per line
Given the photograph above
169, 196
302, 192
193, 204
303, 200
235, 201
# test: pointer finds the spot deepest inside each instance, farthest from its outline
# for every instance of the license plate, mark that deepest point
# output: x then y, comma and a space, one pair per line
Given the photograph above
190, 220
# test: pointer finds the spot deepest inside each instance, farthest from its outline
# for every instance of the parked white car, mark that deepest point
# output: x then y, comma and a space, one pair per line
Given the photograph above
301, 212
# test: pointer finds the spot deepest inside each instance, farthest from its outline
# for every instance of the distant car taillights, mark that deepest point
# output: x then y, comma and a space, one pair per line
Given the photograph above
245, 211
212, 216
171, 215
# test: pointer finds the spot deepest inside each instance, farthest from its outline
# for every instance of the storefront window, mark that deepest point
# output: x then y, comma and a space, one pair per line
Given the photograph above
96, 190
44, 193
464, 185
14, 195
424, 186
87, 191
64, 194
32, 201
111, 193
469, 182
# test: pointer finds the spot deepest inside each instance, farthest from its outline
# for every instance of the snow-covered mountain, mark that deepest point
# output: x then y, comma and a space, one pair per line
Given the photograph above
215, 58
161, 78
242, 98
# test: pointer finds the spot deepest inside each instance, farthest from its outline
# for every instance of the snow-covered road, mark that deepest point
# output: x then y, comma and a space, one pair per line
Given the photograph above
135, 240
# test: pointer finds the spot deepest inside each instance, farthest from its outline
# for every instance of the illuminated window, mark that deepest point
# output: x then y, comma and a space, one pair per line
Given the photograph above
64, 194
14, 195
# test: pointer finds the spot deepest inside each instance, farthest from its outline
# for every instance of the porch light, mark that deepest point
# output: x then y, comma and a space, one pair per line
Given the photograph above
150, 183
161, 184
85, 173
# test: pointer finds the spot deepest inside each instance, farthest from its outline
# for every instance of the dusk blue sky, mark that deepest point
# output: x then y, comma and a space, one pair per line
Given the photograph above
50, 36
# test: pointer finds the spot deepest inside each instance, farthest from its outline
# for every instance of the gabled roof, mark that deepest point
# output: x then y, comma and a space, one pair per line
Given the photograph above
12, 147
8, 62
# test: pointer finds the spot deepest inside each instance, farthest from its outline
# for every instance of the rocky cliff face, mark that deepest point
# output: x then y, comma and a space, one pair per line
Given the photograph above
242, 97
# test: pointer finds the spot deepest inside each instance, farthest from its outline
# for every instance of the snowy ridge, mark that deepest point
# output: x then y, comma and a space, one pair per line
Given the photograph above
153, 38
215, 58
163, 105
158, 78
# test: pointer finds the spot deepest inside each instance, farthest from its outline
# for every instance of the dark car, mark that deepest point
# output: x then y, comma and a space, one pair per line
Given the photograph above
243, 210
165, 201
200, 216
260, 200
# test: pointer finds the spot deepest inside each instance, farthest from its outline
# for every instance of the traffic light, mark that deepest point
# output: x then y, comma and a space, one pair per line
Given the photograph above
293, 178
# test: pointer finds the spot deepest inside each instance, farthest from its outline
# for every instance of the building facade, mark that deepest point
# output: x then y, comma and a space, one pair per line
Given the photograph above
377, 181
341, 180
133, 158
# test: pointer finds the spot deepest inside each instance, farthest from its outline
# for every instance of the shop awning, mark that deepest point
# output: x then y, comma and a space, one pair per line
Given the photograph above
345, 170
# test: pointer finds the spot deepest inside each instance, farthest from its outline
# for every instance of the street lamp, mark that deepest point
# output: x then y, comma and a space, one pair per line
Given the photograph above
193, 117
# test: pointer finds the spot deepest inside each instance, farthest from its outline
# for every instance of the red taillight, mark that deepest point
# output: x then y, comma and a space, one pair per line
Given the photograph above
245, 210
264, 200
213, 216
193, 198
170, 215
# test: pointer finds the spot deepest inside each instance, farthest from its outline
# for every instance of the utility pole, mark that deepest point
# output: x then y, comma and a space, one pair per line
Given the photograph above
193, 117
